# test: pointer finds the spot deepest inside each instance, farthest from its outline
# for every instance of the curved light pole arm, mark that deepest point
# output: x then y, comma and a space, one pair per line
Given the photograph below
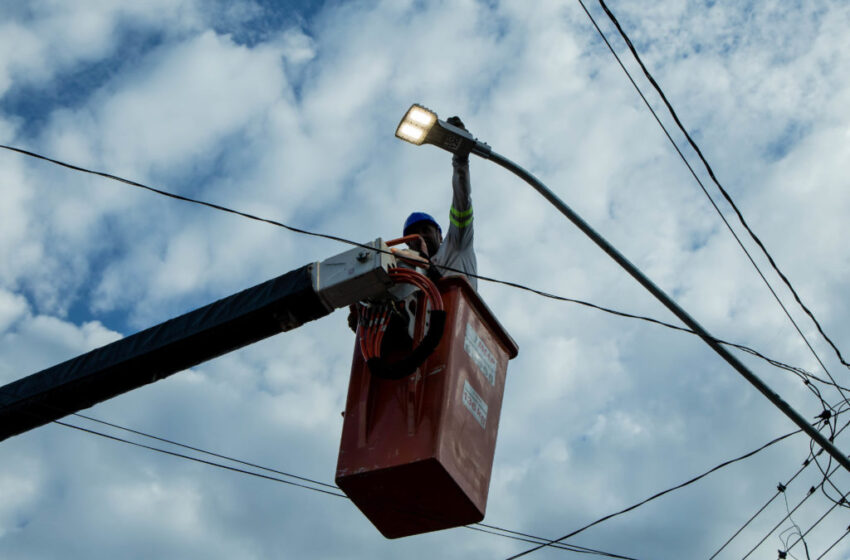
668, 302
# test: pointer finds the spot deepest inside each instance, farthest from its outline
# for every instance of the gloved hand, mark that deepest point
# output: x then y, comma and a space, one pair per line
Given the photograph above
353, 317
461, 156
455, 121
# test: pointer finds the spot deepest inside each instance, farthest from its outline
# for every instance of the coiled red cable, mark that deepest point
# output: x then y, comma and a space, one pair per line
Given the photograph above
373, 319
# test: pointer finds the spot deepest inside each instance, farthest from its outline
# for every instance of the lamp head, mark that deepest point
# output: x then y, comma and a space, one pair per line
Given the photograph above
420, 126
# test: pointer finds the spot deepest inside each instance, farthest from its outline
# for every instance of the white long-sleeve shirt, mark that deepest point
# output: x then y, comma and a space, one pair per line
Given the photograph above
456, 250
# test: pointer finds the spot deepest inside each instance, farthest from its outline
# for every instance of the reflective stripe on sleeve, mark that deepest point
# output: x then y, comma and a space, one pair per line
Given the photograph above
460, 219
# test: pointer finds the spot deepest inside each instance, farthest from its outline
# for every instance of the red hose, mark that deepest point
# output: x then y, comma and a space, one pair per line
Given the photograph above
373, 321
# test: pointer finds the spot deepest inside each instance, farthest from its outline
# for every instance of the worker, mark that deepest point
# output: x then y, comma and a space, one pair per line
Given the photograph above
453, 255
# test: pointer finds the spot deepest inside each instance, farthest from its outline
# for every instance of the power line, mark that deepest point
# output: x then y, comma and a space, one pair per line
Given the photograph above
537, 540
489, 529
809, 494
809, 530
699, 182
824, 553
723, 191
197, 459
210, 453
493, 529
508, 283
299, 230
794, 527
662, 493
780, 489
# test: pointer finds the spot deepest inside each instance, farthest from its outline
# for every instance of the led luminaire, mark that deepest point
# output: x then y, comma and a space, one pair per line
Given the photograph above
410, 133
416, 124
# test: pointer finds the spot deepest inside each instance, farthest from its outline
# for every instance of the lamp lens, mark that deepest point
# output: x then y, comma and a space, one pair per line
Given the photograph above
421, 116
411, 133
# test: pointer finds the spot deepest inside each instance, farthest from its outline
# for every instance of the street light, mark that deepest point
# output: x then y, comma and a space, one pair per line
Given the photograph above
420, 126
423, 125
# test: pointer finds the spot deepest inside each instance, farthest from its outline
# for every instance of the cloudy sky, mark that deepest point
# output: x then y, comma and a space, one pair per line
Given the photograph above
287, 110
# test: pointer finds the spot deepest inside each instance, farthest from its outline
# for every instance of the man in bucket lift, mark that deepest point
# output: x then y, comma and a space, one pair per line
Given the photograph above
455, 252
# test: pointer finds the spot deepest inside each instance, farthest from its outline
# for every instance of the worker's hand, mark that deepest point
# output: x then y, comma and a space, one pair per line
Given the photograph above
352, 318
461, 156
455, 121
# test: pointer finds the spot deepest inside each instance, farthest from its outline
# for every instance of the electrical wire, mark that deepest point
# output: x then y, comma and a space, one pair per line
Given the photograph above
506, 533
662, 493
723, 191
490, 529
537, 540
825, 552
489, 279
205, 452
780, 490
790, 531
493, 529
699, 182
809, 530
798, 371
197, 459
808, 495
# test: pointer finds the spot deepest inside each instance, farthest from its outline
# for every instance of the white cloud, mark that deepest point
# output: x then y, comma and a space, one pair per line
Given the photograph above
600, 411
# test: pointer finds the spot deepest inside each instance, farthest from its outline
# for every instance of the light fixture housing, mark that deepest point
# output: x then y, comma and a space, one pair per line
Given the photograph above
416, 124
420, 125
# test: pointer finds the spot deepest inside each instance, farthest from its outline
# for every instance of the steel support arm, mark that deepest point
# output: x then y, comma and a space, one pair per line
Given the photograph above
281, 304
668, 302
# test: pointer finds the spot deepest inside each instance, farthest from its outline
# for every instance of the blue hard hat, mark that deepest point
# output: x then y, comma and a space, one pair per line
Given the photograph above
418, 217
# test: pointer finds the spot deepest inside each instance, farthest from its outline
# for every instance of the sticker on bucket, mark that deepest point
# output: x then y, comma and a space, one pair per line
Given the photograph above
474, 403
480, 354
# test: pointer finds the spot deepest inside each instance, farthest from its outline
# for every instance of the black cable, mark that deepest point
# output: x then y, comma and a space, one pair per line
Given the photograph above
780, 489
824, 553
809, 530
510, 284
723, 191
197, 460
662, 493
524, 536
808, 495
491, 529
343, 240
827, 479
699, 182
538, 540
210, 453
794, 527
183, 198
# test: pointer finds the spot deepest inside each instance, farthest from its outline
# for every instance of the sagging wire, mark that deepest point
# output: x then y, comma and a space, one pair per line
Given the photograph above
798, 371
416, 262
834, 544
660, 494
781, 488
489, 529
699, 182
809, 530
790, 532
723, 191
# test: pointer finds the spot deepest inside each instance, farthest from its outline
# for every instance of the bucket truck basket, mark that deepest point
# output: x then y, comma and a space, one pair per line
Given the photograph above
417, 452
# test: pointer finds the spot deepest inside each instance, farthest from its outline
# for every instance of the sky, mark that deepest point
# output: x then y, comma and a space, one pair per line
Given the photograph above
287, 110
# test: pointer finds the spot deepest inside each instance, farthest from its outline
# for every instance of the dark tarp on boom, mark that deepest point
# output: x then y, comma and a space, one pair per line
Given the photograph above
277, 305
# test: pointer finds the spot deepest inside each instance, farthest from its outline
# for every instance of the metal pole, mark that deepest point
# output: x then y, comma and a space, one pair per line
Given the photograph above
834, 452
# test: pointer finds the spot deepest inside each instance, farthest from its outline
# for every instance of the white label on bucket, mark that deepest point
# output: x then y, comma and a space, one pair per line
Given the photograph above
480, 354
474, 403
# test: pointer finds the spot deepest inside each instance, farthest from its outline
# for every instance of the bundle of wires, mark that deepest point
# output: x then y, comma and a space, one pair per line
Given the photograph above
375, 318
